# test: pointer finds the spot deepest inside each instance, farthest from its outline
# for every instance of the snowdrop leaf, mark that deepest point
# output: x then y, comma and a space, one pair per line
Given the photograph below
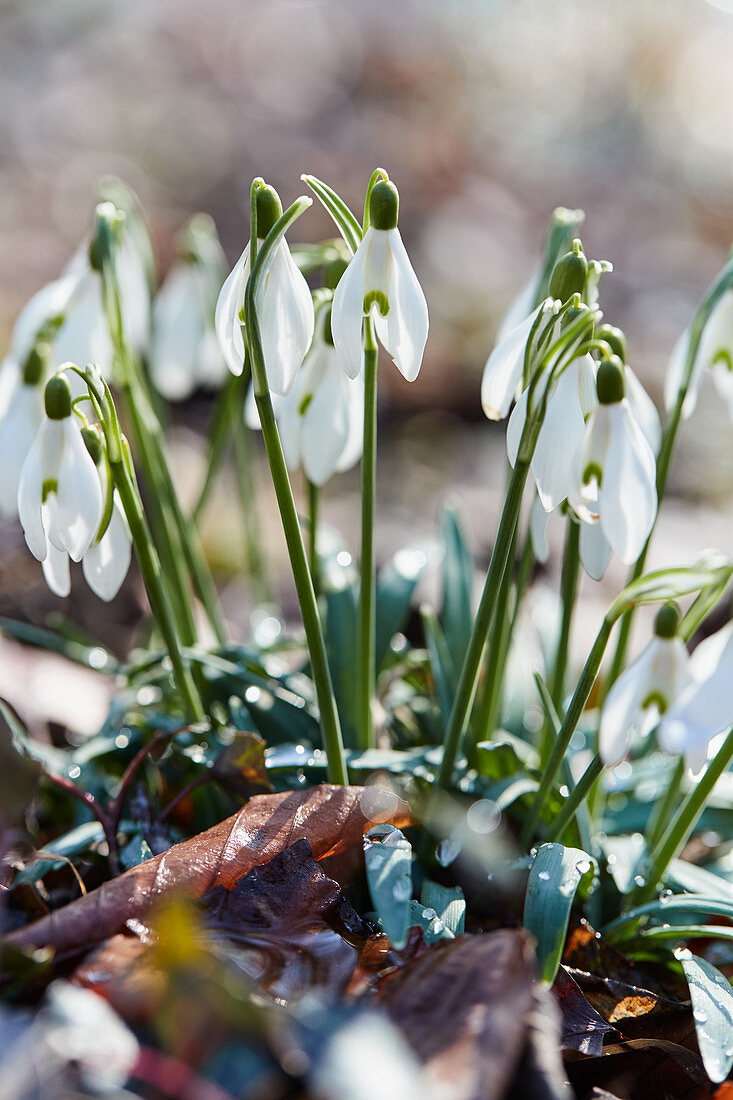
671, 584
448, 902
456, 614
388, 858
346, 222
712, 1009
441, 664
395, 588
554, 878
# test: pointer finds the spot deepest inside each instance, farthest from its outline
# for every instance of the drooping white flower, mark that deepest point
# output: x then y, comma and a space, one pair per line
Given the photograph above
615, 469
594, 549
107, 560
59, 495
283, 303
714, 353
706, 707
19, 423
645, 690
185, 353
380, 282
502, 377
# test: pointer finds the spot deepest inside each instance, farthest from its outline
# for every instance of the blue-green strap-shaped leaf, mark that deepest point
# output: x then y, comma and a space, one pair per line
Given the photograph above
554, 878
456, 613
346, 221
396, 585
447, 902
388, 858
712, 1010
441, 664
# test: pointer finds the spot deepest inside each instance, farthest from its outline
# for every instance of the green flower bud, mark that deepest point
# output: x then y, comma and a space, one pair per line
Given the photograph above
327, 334
615, 338
92, 437
667, 621
38, 363
57, 398
569, 274
384, 205
269, 209
610, 381
106, 232
334, 271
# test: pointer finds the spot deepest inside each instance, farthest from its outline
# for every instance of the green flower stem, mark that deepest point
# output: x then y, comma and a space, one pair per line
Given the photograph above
157, 592
488, 708
684, 822
466, 688
659, 819
244, 470
330, 726
568, 590
367, 583
570, 721
575, 800
313, 502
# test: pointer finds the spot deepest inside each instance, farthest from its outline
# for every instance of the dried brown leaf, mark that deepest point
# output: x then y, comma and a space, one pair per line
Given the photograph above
329, 817
583, 1029
464, 1007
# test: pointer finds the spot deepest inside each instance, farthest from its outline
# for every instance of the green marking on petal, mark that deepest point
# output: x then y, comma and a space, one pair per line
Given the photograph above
378, 298
303, 406
242, 318
50, 485
723, 358
592, 470
655, 699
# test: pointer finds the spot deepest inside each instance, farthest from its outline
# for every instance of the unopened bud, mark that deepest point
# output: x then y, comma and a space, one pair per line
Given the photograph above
38, 363
667, 621
615, 339
108, 220
569, 274
57, 398
92, 437
384, 205
269, 209
610, 381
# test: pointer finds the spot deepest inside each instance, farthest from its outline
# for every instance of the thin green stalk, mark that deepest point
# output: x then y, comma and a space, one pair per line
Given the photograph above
367, 568
568, 590
570, 721
245, 474
313, 502
575, 800
466, 688
684, 822
230, 396
659, 819
487, 710
157, 593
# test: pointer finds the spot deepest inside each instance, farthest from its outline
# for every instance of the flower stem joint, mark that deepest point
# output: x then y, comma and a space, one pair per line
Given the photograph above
615, 339
610, 381
384, 205
667, 621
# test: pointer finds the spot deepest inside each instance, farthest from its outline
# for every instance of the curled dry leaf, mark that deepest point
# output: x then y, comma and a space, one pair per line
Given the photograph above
583, 1030
331, 818
465, 1009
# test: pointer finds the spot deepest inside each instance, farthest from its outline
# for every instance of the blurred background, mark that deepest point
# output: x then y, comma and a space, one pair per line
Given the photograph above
487, 113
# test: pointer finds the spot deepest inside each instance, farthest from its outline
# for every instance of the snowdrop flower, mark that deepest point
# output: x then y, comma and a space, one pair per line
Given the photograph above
594, 550
706, 707
646, 689
615, 469
283, 303
59, 495
380, 283
714, 353
107, 560
19, 423
502, 377
185, 352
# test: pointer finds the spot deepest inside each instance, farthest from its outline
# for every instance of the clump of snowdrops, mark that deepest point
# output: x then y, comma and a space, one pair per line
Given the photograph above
291, 339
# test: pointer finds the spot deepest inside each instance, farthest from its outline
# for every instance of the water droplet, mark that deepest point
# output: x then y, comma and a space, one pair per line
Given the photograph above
639, 880
700, 1016
612, 860
74, 771
402, 889
343, 558
483, 816
544, 875
582, 866
447, 852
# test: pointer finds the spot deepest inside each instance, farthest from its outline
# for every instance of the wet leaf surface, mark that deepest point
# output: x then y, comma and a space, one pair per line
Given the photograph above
583, 1029
464, 1008
330, 817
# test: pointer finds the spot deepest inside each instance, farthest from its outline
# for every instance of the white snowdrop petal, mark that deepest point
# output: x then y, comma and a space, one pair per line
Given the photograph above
18, 428
644, 410
708, 654
325, 429
135, 302
538, 521
649, 674
595, 552
106, 562
354, 445
503, 371
347, 314
407, 321
56, 571
177, 327
29, 498
520, 307
227, 320
286, 319
560, 435
80, 503
628, 494
515, 428
588, 395
84, 337
50, 301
